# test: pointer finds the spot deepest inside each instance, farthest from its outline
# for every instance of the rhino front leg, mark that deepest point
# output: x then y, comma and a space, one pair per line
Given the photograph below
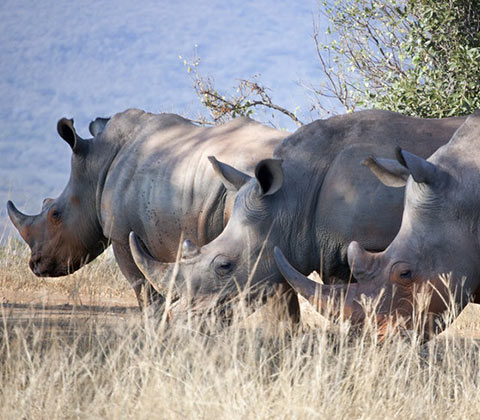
134, 276
283, 305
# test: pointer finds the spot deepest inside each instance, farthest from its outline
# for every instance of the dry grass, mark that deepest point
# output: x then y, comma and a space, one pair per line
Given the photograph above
97, 281
109, 361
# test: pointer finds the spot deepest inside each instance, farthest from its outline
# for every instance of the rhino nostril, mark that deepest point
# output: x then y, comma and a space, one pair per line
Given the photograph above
33, 263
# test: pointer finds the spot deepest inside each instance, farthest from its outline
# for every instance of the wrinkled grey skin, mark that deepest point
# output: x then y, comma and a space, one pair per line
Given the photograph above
311, 200
142, 172
439, 234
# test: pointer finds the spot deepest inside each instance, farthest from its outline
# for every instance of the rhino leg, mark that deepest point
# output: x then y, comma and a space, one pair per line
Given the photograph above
284, 305
293, 305
134, 276
476, 296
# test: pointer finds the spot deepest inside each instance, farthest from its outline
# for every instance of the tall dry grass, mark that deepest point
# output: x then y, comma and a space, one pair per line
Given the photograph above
127, 365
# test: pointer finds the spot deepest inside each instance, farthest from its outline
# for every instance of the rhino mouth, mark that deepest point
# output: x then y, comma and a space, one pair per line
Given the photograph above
48, 267
221, 308
51, 271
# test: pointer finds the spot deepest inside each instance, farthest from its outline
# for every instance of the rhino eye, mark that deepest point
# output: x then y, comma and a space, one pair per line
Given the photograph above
55, 216
223, 266
401, 272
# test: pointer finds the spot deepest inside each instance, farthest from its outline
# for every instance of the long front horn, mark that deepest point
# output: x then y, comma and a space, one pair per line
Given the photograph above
18, 218
301, 284
158, 274
319, 295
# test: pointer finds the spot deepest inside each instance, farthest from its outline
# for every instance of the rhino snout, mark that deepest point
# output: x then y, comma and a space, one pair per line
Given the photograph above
35, 264
47, 266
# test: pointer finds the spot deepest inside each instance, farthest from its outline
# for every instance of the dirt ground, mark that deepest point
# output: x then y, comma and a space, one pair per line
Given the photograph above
56, 311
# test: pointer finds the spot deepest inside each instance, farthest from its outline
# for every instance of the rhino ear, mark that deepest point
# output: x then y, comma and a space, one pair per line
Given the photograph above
97, 126
232, 178
389, 171
67, 132
420, 169
269, 176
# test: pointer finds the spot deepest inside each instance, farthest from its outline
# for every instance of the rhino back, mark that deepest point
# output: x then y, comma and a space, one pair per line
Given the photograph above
161, 183
318, 141
334, 197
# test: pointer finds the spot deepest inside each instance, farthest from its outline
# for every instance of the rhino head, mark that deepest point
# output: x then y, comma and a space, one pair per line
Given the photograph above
66, 234
438, 236
240, 259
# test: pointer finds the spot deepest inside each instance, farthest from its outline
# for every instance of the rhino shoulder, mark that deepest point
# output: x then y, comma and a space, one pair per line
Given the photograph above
331, 132
134, 123
241, 122
133, 117
304, 141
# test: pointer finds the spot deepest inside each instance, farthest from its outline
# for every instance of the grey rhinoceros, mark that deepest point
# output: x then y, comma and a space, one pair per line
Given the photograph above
439, 234
143, 172
311, 200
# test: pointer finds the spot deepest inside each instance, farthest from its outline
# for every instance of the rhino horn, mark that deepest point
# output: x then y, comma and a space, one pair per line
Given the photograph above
319, 295
158, 274
67, 132
298, 281
361, 262
18, 218
189, 249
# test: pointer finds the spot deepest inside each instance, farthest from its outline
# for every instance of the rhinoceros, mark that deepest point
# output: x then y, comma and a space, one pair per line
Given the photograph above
312, 199
143, 172
439, 234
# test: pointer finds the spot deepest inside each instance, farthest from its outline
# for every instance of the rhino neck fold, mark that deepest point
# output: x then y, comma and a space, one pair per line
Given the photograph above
228, 200
213, 218
305, 226
102, 176
315, 228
